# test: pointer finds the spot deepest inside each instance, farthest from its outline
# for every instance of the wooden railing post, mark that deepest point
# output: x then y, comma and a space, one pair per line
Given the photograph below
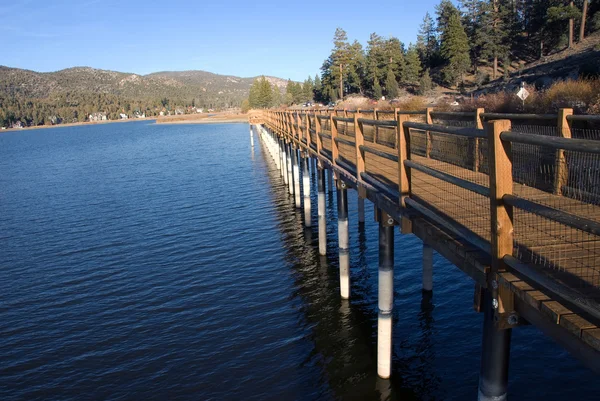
403, 135
335, 151
428, 144
307, 131
359, 140
319, 140
501, 214
396, 114
376, 128
478, 125
561, 170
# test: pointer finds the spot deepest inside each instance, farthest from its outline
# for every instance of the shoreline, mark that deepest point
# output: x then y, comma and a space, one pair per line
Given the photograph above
207, 121
157, 120
75, 124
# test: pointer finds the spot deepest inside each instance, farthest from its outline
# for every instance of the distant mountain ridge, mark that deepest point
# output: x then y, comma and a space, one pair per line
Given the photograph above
201, 86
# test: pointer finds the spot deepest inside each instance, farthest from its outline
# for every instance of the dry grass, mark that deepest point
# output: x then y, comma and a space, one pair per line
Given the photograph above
581, 95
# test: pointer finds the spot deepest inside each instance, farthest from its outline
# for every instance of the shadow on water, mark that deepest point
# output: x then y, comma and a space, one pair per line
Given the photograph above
344, 333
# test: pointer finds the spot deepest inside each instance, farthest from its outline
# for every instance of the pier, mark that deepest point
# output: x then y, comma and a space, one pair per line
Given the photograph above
512, 200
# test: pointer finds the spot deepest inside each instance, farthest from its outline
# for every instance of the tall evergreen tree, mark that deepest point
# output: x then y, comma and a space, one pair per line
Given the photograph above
318, 89
455, 50
412, 70
394, 54
391, 85
341, 72
375, 62
377, 92
493, 34
427, 43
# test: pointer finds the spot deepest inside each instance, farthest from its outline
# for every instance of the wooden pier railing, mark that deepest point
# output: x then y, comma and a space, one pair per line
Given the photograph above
511, 199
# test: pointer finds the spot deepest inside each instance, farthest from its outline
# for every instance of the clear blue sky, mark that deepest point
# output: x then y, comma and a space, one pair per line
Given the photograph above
279, 38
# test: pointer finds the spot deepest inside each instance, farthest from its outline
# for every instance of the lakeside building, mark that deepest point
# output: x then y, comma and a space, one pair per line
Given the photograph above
97, 116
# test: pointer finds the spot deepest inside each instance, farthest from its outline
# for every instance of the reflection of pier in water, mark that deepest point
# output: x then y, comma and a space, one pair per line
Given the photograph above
344, 335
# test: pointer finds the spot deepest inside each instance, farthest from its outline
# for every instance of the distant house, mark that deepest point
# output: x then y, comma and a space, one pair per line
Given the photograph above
54, 120
137, 114
162, 113
18, 124
199, 110
123, 116
97, 116
179, 112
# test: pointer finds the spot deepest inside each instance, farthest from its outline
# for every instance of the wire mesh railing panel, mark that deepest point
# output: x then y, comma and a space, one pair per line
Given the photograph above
464, 207
382, 169
386, 136
569, 255
368, 130
418, 143
347, 152
345, 128
452, 154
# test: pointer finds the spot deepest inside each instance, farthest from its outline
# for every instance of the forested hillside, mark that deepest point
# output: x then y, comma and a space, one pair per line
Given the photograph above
73, 94
463, 45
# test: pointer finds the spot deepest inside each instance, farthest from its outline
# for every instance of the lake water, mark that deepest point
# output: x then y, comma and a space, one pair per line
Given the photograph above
154, 262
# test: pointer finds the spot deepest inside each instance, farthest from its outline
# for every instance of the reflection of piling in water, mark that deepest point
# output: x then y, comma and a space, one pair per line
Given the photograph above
427, 267
495, 354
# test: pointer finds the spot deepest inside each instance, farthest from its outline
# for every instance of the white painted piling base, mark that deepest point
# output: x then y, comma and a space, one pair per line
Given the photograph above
284, 171
290, 171
322, 224
427, 267
296, 162
306, 193
344, 258
251, 137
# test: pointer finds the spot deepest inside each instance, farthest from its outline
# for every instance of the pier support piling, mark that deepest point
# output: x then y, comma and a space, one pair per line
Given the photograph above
306, 189
290, 169
330, 180
386, 295
343, 239
427, 267
251, 137
495, 355
296, 175
283, 170
322, 212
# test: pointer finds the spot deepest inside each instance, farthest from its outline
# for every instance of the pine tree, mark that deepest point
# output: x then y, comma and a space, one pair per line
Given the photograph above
412, 69
455, 50
394, 54
391, 86
342, 71
561, 13
318, 89
427, 44
426, 84
377, 92
445, 11
492, 36
375, 61
276, 96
